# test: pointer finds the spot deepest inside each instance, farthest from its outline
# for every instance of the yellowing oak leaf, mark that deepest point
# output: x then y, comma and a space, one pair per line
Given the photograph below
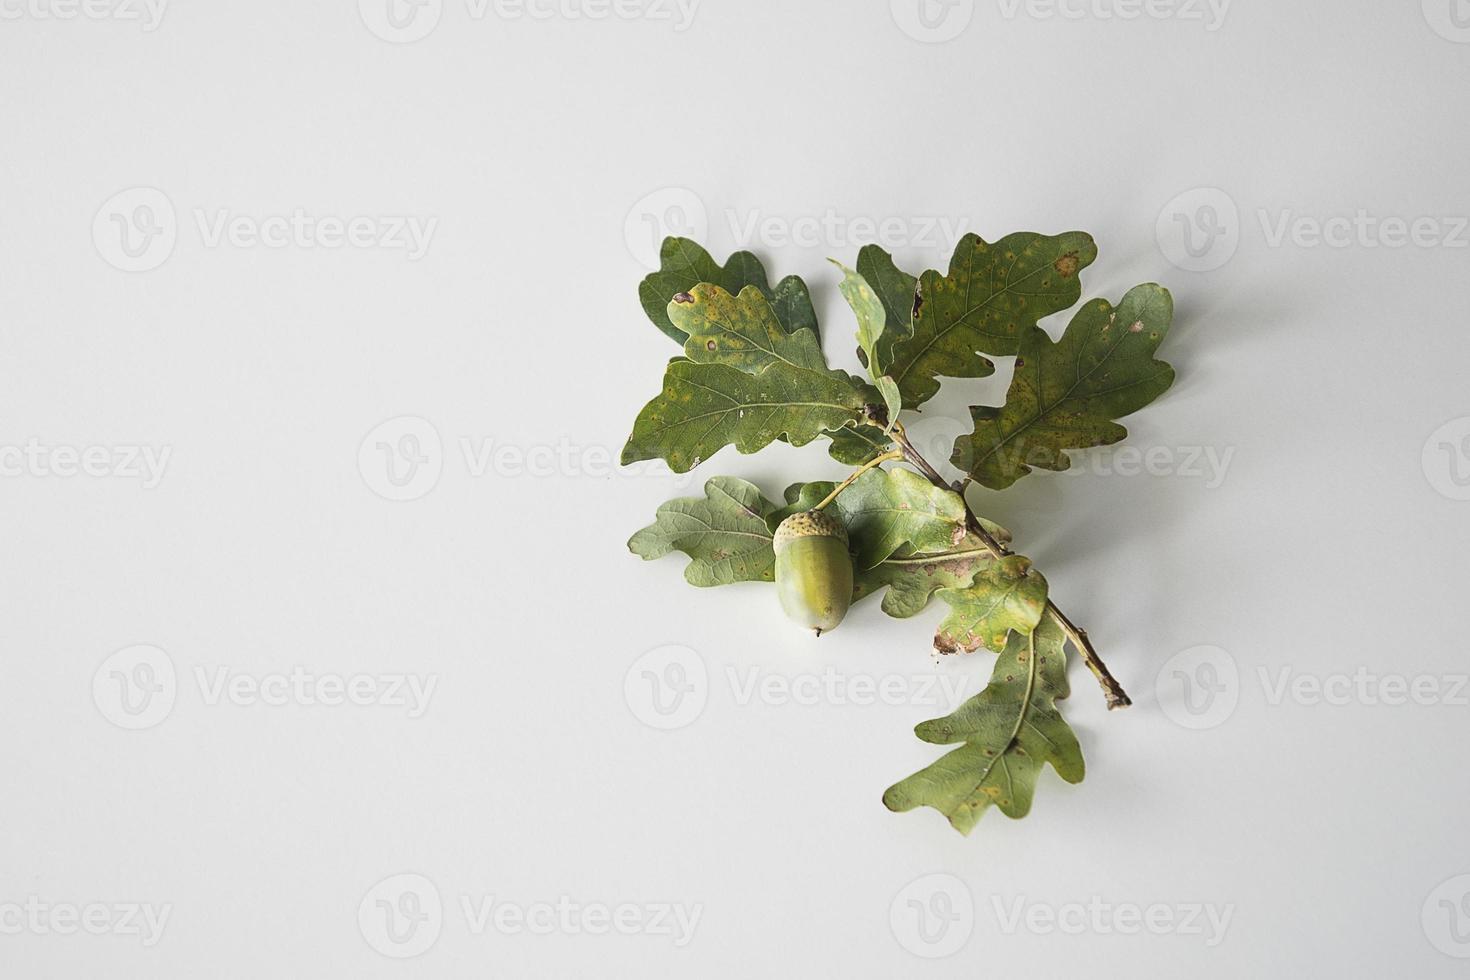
684, 264
992, 297
1006, 595
1066, 394
1006, 733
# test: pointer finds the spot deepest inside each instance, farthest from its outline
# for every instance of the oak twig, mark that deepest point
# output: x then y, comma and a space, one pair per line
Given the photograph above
875, 461
1112, 690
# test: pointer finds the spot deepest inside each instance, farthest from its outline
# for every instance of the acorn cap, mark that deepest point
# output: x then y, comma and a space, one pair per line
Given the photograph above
808, 524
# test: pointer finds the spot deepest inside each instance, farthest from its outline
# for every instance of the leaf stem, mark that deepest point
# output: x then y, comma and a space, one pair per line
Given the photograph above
1112, 690
878, 460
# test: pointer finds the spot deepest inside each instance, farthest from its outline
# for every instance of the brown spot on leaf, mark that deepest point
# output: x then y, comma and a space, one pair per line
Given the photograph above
1066, 265
683, 298
709, 345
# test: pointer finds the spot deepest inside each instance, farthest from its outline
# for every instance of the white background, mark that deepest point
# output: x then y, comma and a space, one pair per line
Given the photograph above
1333, 543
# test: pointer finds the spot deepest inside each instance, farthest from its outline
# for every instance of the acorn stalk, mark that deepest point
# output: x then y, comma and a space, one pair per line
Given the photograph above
813, 570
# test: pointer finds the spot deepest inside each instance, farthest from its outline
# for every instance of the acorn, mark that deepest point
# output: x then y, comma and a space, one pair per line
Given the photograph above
813, 570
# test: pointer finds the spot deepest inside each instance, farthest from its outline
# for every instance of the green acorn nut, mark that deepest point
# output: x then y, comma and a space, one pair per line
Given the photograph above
813, 570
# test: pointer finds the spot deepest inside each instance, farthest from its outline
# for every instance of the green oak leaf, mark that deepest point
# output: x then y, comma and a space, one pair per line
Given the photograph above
872, 347
912, 577
897, 291
1006, 595
884, 510
725, 533
1007, 733
728, 534
742, 331
1065, 395
705, 407
994, 294
869, 312
857, 445
684, 264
